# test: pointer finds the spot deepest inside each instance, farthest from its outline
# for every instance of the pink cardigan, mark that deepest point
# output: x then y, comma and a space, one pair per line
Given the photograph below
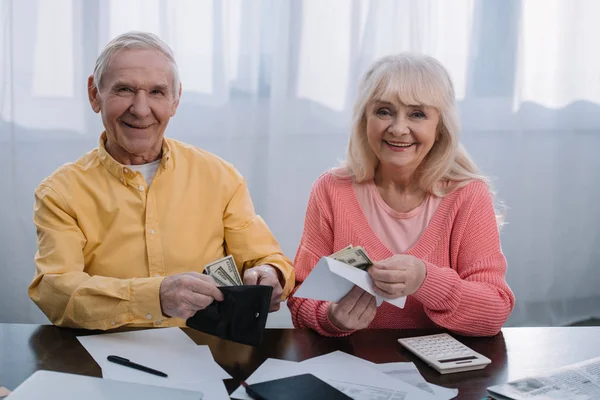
464, 290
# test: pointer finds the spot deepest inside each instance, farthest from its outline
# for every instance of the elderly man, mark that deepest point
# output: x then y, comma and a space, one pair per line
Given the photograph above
125, 231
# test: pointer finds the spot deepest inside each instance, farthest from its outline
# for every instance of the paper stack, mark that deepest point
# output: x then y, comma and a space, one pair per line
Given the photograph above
357, 378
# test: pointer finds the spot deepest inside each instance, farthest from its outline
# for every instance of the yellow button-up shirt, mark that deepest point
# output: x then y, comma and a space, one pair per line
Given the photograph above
106, 240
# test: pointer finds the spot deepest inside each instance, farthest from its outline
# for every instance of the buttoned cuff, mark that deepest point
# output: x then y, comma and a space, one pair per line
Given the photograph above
144, 300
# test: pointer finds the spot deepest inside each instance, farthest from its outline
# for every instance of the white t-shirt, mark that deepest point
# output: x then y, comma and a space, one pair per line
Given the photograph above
147, 170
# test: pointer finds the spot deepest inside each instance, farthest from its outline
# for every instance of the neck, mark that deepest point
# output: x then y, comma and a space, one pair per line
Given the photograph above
396, 179
126, 158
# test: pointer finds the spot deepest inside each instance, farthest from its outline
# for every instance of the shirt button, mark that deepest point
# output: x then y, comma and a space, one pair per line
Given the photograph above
113, 323
141, 188
126, 170
152, 231
159, 321
148, 316
157, 275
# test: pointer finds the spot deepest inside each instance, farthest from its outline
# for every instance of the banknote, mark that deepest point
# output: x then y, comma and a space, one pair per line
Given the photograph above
224, 272
355, 256
349, 247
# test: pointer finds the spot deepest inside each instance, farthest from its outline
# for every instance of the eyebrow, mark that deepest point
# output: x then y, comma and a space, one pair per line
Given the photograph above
160, 86
382, 101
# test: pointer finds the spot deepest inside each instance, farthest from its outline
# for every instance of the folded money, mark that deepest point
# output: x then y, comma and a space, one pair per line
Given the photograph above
224, 272
354, 256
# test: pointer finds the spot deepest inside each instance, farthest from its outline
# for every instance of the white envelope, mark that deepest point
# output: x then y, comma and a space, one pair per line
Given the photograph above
330, 280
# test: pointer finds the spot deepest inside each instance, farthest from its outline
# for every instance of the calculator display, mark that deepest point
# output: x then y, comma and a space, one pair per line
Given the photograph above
458, 359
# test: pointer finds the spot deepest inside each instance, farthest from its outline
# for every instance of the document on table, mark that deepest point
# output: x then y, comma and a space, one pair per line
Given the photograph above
579, 381
409, 373
330, 280
354, 376
168, 350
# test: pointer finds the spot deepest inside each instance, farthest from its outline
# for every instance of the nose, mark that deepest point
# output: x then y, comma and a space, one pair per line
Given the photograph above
140, 107
399, 126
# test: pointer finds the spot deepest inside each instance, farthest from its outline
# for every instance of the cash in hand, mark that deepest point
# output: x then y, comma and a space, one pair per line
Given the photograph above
354, 256
224, 272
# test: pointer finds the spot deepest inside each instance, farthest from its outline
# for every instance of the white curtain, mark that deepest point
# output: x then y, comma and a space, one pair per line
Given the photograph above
269, 85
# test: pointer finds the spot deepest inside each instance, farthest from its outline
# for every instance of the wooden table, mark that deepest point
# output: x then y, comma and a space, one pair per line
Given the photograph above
515, 352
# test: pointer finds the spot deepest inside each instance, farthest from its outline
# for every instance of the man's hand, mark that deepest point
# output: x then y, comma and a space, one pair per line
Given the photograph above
183, 294
354, 311
266, 275
397, 276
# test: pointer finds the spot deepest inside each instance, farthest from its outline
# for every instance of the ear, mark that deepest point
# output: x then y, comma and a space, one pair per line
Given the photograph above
93, 95
176, 102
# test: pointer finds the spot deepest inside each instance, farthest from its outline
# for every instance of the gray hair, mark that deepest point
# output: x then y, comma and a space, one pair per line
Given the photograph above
138, 41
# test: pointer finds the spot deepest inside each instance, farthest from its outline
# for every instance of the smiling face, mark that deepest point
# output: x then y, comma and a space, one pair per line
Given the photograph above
136, 100
401, 135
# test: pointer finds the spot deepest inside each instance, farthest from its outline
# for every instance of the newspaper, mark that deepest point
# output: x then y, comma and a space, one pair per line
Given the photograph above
580, 381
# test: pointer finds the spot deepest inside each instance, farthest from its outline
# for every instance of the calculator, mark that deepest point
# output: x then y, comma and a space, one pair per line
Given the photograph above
444, 353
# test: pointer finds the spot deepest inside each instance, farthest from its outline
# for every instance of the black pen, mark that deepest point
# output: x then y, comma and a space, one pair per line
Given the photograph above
127, 363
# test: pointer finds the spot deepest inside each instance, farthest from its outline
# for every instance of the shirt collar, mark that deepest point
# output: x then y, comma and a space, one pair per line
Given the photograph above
122, 172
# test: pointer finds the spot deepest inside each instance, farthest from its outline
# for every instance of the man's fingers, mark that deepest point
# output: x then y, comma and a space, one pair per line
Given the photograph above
206, 286
198, 301
251, 277
275, 306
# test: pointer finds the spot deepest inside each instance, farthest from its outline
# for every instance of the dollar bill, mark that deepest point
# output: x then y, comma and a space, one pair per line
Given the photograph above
220, 274
225, 271
356, 257
337, 253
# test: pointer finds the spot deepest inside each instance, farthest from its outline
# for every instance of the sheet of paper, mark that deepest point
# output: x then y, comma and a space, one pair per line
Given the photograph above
358, 379
352, 375
409, 373
168, 350
4, 391
330, 280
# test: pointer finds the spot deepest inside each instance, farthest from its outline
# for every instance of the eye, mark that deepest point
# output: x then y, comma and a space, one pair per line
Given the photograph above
125, 89
157, 92
383, 112
418, 114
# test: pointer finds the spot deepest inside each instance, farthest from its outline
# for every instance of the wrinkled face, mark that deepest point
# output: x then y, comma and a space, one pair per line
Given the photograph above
136, 100
401, 135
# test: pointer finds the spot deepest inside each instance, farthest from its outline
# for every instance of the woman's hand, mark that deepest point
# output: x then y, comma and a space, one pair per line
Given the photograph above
354, 311
397, 276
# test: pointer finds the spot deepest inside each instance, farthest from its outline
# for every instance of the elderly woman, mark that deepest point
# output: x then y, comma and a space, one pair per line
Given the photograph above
412, 198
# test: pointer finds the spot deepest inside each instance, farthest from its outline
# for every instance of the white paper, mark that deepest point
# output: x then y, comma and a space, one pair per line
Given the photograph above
330, 280
168, 350
409, 373
358, 379
351, 375
270, 370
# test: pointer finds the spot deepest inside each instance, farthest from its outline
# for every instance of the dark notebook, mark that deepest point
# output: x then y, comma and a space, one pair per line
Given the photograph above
241, 317
299, 387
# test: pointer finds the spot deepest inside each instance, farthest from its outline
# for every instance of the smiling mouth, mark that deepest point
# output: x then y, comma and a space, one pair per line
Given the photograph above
136, 126
400, 145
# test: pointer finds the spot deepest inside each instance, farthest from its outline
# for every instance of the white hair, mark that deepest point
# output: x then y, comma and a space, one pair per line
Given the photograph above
135, 40
411, 78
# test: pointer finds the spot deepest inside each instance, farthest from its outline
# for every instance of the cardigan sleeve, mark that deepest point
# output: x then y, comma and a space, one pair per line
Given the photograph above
316, 242
472, 297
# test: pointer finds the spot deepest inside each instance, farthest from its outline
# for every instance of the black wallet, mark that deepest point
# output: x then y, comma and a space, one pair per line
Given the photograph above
241, 317
305, 386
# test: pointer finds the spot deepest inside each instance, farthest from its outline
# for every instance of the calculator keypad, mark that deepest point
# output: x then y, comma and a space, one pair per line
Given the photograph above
439, 347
